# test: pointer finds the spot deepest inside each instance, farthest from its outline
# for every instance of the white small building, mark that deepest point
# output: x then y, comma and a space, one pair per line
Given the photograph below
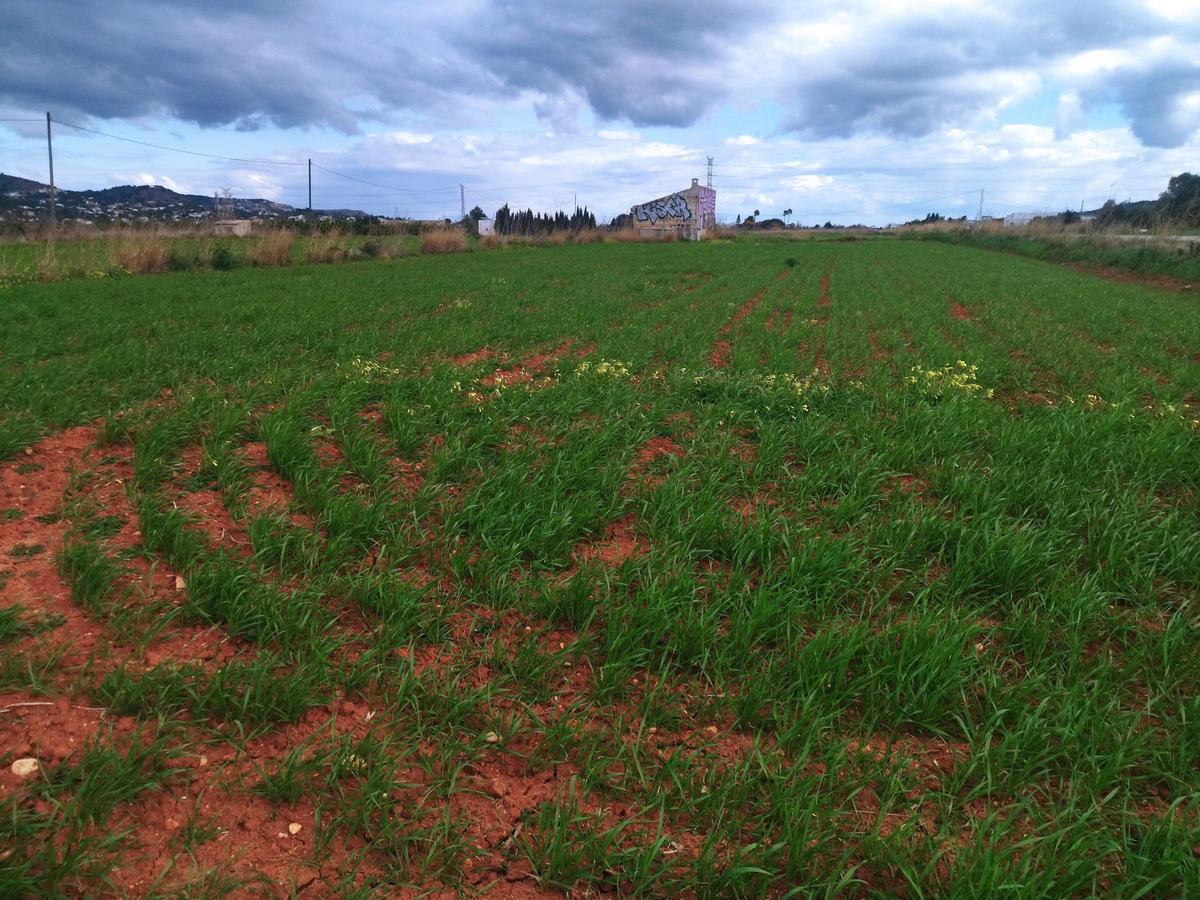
234, 227
485, 225
1018, 219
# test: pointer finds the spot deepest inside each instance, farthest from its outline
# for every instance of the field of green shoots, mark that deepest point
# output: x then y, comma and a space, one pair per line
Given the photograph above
723, 569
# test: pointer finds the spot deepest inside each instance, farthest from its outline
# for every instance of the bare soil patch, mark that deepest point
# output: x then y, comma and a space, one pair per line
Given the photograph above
524, 371
620, 542
721, 354
35, 484
469, 359
722, 351
647, 454
1146, 279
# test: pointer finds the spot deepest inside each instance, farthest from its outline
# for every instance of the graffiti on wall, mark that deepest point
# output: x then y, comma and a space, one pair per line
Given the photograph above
673, 207
708, 208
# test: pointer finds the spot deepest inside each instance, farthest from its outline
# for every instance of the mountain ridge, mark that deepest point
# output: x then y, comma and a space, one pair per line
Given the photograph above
23, 199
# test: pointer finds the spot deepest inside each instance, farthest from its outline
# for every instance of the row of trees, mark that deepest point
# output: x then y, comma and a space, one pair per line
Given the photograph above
527, 222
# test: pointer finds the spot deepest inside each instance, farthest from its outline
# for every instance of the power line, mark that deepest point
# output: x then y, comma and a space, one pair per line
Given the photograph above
117, 137
21, 120
387, 187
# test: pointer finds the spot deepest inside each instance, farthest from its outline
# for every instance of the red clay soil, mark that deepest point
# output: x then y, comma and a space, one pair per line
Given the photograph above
779, 321
269, 491
523, 372
693, 281
722, 351
620, 542
469, 359
653, 449
208, 514
742, 311
822, 363
878, 354
211, 780
748, 507
1126, 276
912, 485
959, 312
721, 354
656, 447
36, 584
826, 299
52, 731
249, 834
34, 483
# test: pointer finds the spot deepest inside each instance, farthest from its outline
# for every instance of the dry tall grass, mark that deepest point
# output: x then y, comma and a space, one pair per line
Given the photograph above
141, 254
326, 248
583, 236
47, 265
443, 240
635, 236
272, 249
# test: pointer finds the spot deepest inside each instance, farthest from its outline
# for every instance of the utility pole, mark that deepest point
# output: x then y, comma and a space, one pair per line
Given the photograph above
310, 187
979, 218
710, 164
462, 202
53, 190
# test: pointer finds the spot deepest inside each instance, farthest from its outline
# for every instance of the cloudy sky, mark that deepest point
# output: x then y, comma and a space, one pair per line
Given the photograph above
869, 111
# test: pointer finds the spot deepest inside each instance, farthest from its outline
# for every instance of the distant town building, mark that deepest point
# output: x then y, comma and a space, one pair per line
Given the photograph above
234, 227
686, 214
1020, 218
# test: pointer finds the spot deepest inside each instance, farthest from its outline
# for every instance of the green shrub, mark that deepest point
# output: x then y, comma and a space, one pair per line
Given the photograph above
182, 259
222, 258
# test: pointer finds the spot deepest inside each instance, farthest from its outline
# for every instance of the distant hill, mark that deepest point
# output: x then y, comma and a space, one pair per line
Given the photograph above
1131, 208
23, 200
12, 184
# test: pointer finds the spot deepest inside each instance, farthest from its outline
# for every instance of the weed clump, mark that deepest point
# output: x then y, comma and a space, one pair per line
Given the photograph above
273, 249
183, 259
144, 254
222, 258
444, 240
326, 248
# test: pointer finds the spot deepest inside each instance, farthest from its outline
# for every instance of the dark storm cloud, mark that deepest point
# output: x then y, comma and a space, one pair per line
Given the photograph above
249, 64
655, 63
1149, 100
914, 74
288, 63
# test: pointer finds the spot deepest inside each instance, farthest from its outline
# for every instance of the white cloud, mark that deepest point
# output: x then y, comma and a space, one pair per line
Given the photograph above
408, 137
1070, 116
808, 182
616, 134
